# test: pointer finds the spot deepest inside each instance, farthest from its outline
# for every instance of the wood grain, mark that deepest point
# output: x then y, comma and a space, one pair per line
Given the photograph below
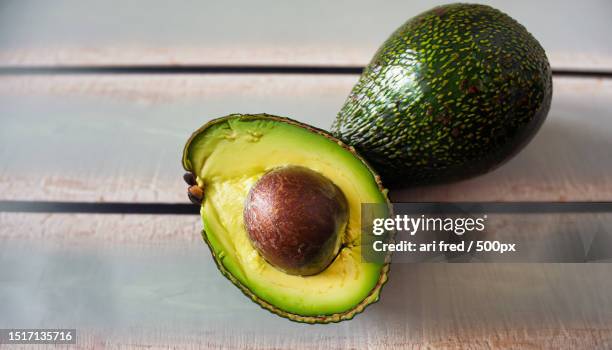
144, 294
539, 237
120, 138
101, 228
546, 339
575, 34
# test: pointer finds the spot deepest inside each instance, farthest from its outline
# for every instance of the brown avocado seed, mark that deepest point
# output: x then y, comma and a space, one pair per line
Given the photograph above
190, 179
295, 218
194, 192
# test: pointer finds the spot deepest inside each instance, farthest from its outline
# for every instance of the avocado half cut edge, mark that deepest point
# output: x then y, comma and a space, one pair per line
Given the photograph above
228, 157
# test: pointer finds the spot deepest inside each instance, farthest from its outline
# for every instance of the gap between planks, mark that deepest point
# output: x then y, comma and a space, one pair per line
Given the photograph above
232, 69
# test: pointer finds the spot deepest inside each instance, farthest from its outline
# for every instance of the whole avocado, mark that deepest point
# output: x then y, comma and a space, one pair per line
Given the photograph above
454, 92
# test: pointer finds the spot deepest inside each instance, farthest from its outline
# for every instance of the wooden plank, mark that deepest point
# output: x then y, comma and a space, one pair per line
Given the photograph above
165, 292
539, 237
102, 228
575, 34
109, 138
567, 339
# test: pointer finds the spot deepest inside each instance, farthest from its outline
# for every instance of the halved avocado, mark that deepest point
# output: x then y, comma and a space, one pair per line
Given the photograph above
228, 156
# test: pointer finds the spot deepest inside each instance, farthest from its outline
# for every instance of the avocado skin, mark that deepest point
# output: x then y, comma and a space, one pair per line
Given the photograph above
374, 294
454, 92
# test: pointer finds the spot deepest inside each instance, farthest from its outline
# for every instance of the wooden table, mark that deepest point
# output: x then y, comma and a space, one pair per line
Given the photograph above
105, 129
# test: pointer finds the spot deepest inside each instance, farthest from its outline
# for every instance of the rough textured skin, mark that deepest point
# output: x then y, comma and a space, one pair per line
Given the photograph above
453, 93
295, 218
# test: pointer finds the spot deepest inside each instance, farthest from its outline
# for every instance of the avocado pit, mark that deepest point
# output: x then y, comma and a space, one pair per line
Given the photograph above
295, 218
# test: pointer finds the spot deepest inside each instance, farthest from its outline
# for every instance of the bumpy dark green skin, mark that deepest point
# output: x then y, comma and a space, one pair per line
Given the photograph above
453, 93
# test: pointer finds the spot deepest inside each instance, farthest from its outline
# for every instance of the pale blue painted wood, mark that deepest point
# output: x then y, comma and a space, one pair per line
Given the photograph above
113, 138
574, 33
172, 294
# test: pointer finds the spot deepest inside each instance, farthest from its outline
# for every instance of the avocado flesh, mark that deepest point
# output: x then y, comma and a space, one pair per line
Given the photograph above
228, 156
454, 92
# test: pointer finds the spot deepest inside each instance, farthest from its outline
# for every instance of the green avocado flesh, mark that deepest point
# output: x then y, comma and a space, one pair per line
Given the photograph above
454, 92
228, 156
